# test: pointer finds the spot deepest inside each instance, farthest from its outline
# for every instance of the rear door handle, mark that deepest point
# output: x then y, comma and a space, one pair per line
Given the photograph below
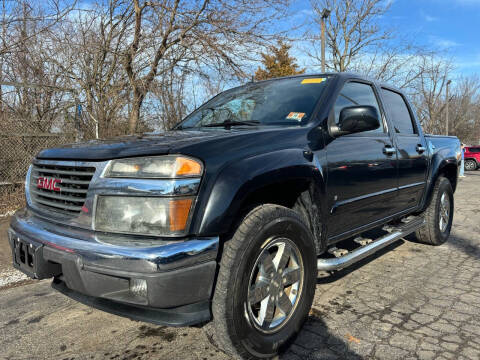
388, 150
420, 148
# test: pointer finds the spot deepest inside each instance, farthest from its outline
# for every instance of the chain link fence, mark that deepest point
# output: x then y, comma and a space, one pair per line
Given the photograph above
20, 142
18, 150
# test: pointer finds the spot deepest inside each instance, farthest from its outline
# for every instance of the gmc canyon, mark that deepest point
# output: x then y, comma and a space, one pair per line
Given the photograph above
229, 216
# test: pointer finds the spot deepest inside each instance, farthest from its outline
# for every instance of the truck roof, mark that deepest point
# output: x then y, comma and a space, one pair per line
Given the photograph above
341, 75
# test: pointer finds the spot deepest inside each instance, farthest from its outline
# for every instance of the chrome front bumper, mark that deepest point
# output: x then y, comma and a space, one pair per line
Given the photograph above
172, 273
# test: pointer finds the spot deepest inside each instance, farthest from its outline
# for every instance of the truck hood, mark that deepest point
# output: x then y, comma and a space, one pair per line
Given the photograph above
148, 144
127, 146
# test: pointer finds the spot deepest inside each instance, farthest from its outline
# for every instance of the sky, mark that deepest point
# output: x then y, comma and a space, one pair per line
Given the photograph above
451, 26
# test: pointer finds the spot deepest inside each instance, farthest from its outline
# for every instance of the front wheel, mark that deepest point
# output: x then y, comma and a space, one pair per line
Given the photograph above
438, 215
470, 165
265, 285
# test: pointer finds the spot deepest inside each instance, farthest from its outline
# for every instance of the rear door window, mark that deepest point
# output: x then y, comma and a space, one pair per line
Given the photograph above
398, 112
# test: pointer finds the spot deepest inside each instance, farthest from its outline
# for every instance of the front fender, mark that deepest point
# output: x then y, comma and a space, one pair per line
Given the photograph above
239, 179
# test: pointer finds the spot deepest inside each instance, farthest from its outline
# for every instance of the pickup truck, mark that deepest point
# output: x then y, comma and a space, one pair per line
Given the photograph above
229, 216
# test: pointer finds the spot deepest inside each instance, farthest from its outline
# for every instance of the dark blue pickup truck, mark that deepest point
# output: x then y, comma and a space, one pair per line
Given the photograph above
229, 216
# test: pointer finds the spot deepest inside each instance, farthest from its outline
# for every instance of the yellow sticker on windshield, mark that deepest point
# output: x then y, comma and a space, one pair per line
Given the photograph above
312, 80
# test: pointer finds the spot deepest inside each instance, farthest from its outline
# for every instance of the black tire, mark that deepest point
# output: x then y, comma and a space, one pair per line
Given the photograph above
233, 330
470, 165
432, 233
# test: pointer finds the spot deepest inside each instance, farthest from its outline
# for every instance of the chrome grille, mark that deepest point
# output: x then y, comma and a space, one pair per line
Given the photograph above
67, 194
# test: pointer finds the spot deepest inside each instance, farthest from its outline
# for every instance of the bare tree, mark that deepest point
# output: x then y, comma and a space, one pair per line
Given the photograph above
32, 95
353, 30
87, 48
205, 33
358, 43
20, 11
112, 55
397, 64
169, 91
464, 109
429, 91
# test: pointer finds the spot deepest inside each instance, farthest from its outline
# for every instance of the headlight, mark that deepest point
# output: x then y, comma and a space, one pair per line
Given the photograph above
166, 166
143, 215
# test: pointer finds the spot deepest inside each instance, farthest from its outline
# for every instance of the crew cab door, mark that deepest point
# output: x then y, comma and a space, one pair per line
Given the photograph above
362, 173
411, 149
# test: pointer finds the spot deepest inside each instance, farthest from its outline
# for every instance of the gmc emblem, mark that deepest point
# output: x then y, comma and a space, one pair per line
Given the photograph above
48, 183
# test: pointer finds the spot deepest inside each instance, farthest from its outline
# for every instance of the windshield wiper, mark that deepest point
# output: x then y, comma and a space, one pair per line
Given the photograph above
228, 123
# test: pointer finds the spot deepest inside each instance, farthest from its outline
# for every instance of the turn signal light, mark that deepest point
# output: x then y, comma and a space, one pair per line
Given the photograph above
187, 167
179, 211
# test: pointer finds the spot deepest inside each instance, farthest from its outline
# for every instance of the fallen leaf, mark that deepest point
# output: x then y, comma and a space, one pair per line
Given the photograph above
352, 338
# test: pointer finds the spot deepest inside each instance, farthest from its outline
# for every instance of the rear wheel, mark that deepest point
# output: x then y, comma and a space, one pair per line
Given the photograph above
470, 165
265, 285
438, 215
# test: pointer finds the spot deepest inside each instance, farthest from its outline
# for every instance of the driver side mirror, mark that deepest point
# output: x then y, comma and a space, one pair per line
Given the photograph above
354, 119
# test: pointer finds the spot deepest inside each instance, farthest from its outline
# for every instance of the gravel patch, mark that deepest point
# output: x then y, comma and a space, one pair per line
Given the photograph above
11, 276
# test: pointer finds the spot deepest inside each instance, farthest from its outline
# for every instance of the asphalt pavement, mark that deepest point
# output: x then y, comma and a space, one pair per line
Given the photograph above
410, 301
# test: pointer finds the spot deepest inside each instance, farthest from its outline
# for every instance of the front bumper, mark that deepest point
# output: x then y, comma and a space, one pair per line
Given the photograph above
151, 283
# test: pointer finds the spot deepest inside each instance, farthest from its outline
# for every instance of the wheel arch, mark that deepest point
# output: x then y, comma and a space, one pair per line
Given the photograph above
446, 168
285, 178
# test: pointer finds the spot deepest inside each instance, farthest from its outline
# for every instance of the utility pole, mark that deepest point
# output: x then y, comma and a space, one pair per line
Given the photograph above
325, 14
446, 107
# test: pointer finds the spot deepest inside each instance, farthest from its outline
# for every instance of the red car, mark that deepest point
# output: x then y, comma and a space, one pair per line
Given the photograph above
472, 157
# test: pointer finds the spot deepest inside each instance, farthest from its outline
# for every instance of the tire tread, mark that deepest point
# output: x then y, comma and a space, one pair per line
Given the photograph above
427, 234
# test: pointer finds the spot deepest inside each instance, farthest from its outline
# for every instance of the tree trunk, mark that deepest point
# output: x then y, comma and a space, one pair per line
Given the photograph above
135, 113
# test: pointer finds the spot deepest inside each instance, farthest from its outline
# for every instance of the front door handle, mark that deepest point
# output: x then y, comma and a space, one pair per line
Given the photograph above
389, 150
420, 148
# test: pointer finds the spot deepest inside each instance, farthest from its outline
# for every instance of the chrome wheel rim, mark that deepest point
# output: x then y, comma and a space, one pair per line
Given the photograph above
469, 165
275, 285
444, 217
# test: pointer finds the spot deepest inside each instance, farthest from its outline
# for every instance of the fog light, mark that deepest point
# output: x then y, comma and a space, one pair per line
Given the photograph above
138, 287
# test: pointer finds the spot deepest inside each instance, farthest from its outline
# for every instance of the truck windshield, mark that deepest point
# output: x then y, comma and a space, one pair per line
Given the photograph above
289, 101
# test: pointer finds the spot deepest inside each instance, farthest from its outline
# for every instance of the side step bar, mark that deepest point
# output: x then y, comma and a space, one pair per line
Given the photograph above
395, 233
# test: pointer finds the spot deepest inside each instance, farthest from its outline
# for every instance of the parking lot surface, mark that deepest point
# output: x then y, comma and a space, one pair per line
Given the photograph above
410, 301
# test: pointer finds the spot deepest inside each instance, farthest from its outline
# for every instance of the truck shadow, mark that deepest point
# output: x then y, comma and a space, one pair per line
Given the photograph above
467, 246
315, 341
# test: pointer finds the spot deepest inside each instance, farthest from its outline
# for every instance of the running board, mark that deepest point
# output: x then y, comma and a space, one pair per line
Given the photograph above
395, 233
